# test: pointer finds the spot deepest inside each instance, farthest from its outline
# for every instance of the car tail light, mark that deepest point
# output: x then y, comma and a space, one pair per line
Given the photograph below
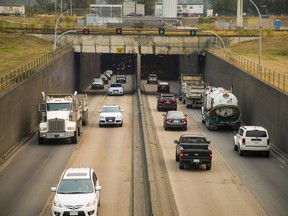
161, 100
184, 120
181, 153
243, 141
210, 154
168, 120
173, 101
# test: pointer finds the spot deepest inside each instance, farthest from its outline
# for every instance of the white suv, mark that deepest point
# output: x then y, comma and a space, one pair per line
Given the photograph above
110, 115
78, 193
252, 138
116, 89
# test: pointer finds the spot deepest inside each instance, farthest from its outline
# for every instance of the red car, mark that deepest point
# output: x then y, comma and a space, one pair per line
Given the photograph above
166, 102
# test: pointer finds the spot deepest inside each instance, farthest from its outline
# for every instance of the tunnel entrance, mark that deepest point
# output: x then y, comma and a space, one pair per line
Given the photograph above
165, 66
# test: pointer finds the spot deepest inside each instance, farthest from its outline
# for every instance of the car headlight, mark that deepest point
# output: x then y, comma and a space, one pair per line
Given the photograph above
70, 128
118, 117
57, 204
102, 117
91, 203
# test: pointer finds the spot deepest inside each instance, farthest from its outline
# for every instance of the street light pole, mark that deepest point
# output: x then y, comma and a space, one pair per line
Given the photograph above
260, 35
223, 44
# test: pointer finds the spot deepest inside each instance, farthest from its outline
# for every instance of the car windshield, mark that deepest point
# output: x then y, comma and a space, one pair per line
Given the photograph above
58, 106
116, 85
167, 97
110, 109
75, 186
256, 133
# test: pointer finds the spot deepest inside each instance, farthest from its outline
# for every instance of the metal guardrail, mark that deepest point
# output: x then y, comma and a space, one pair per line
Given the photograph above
265, 74
22, 73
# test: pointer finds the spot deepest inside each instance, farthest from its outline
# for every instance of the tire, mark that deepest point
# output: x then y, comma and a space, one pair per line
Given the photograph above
74, 139
100, 125
240, 152
185, 128
235, 147
208, 166
165, 128
121, 125
176, 157
181, 166
267, 154
41, 140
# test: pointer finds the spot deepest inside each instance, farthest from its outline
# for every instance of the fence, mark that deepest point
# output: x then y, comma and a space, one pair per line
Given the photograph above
269, 76
22, 73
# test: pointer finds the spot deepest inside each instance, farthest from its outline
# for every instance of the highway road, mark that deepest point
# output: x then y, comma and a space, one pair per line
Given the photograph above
249, 185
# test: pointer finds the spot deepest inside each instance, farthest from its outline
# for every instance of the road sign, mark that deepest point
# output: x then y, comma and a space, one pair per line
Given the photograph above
119, 50
161, 31
86, 31
118, 30
192, 32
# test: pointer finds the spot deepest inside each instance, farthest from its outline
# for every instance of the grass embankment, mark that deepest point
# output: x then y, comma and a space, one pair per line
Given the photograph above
274, 52
18, 49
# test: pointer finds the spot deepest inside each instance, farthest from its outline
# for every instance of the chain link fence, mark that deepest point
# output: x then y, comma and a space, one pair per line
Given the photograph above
269, 76
22, 73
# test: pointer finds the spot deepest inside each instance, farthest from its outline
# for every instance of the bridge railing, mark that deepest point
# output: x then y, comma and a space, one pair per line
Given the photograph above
265, 74
22, 73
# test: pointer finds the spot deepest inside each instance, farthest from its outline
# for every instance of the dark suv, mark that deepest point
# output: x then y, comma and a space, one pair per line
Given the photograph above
163, 87
166, 102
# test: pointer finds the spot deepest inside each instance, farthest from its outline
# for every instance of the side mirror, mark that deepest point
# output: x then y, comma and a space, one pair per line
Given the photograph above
53, 189
208, 141
98, 188
99, 111
122, 110
176, 141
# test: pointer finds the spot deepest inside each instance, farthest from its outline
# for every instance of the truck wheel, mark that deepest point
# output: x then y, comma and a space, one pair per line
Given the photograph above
79, 130
208, 166
41, 140
235, 147
74, 139
181, 166
176, 157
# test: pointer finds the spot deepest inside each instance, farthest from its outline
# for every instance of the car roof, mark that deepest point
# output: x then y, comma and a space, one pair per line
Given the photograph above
163, 83
77, 173
111, 105
167, 95
251, 127
193, 135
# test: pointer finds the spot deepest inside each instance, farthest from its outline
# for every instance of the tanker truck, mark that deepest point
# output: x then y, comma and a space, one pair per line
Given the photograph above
220, 108
62, 116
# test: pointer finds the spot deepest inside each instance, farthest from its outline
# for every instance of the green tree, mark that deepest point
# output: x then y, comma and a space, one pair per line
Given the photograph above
224, 7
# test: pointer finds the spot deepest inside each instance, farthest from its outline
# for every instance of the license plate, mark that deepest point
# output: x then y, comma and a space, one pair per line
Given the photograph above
196, 160
110, 120
73, 213
177, 121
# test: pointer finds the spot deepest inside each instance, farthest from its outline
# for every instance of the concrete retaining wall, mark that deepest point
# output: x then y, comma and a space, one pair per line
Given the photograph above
260, 103
18, 106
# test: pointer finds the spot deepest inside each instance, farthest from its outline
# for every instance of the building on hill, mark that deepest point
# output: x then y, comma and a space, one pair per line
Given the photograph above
12, 9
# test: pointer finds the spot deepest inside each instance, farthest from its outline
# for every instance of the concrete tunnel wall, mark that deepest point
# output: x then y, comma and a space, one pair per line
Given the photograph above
260, 103
18, 106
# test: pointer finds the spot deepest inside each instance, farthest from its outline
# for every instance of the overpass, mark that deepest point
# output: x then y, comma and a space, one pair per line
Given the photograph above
138, 44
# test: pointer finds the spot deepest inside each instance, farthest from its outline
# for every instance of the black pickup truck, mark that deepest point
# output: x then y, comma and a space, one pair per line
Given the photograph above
193, 149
